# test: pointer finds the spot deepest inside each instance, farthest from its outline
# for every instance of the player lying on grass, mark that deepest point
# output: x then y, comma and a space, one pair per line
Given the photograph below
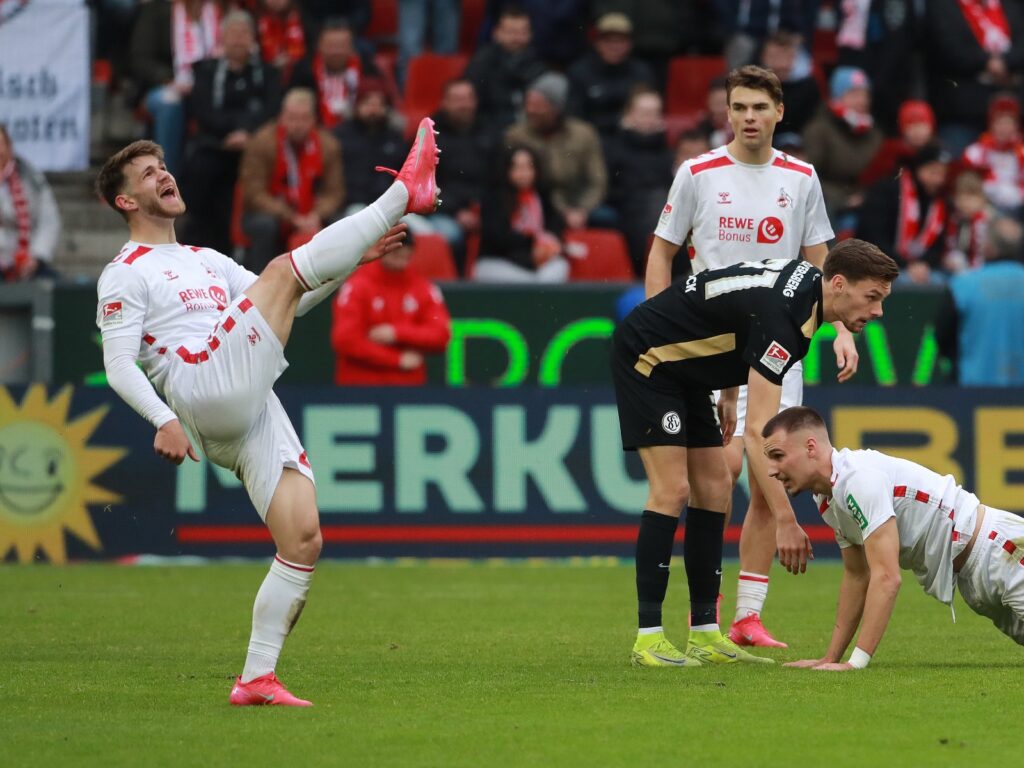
888, 514
190, 337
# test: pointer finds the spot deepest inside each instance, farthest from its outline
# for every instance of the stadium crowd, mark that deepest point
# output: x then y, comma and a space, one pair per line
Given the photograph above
608, 96
559, 121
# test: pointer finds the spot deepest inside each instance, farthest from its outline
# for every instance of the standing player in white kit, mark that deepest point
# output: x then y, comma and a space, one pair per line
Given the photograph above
209, 336
746, 201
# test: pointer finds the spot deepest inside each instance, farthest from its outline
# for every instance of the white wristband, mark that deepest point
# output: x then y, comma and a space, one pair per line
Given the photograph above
859, 659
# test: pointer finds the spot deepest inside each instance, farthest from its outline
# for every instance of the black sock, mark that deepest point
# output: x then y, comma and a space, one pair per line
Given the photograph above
702, 553
653, 553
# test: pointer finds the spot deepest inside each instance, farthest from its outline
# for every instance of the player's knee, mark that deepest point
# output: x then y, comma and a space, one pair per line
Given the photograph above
670, 496
311, 543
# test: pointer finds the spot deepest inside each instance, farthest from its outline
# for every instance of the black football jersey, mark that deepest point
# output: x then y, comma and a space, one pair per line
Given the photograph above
710, 330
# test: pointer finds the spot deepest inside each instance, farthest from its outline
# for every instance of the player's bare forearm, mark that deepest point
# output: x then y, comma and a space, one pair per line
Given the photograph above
658, 276
882, 549
849, 611
881, 598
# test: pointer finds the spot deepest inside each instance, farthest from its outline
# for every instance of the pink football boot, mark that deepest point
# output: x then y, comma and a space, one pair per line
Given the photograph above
265, 689
417, 172
750, 631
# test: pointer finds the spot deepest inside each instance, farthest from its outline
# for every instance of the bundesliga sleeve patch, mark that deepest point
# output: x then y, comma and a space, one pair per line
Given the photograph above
776, 357
111, 315
665, 213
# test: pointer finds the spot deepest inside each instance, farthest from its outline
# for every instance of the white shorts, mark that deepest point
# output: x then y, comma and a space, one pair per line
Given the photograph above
992, 579
792, 394
223, 392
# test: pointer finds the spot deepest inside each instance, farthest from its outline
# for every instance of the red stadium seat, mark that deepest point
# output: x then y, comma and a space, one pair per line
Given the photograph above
432, 258
469, 25
598, 255
688, 81
424, 83
383, 26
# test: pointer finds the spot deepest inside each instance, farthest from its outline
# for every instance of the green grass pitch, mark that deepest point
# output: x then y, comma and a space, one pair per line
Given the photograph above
476, 665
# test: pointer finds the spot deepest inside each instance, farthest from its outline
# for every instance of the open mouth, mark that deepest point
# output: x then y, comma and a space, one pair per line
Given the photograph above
168, 193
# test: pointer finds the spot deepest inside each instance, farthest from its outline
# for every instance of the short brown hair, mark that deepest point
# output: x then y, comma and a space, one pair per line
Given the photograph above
110, 181
793, 419
858, 260
756, 78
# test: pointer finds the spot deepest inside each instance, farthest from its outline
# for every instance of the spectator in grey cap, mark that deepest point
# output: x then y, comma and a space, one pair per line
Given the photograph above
569, 149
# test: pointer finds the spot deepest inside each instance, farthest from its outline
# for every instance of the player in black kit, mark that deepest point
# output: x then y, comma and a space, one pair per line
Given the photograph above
744, 324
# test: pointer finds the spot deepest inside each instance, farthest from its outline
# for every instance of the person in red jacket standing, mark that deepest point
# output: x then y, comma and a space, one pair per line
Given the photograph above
386, 318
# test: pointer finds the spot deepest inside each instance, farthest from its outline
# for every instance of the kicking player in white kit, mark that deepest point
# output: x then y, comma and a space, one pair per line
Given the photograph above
746, 201
209, 336
890, 513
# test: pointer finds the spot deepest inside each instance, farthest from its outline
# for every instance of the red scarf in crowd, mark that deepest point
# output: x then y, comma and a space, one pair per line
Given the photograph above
22, 219
528, 215
912, 238
279, 36
194, 40
859, 123
988, 24
337, 91
296, 173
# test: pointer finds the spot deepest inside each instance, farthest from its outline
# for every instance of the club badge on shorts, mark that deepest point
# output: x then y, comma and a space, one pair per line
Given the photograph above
671, 423
776, 357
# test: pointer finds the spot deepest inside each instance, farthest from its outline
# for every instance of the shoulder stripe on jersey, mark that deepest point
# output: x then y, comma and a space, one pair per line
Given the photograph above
138, 253
789, 165
718, 162
823, 506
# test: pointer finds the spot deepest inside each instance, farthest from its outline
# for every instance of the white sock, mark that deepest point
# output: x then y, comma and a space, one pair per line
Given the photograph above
278, 605
650, 630
705, 628
751, 592
335, 250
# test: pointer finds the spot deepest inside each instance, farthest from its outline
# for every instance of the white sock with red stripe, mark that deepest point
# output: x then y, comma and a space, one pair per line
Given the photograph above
751, 592
335, 250
278, 606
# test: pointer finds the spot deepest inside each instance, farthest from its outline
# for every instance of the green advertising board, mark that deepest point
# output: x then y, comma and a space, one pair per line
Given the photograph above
550, 336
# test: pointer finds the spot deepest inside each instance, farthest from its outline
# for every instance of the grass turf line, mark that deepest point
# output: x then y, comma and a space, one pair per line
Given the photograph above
470, 666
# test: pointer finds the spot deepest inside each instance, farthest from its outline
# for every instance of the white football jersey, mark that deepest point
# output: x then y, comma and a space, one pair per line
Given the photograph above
934, 516
740, 212
170, 297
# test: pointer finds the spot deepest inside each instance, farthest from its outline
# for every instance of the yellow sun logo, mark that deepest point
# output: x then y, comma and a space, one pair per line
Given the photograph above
46, 473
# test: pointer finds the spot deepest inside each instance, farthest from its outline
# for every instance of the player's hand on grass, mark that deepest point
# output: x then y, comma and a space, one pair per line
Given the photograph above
391, 241
833, 666
805, 663
794, 546
847, 356
172, 443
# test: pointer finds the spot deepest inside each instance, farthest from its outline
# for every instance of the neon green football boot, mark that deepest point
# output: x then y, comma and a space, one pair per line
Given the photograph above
715, 648
655, 651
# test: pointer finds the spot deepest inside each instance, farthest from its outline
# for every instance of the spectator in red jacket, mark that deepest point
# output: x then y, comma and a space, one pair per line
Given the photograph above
386, 319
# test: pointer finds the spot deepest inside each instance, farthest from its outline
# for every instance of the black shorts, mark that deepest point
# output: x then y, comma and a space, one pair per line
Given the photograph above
657, 409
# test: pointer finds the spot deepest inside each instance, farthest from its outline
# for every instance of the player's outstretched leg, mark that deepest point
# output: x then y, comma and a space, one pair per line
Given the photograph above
336, 250
294, 525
